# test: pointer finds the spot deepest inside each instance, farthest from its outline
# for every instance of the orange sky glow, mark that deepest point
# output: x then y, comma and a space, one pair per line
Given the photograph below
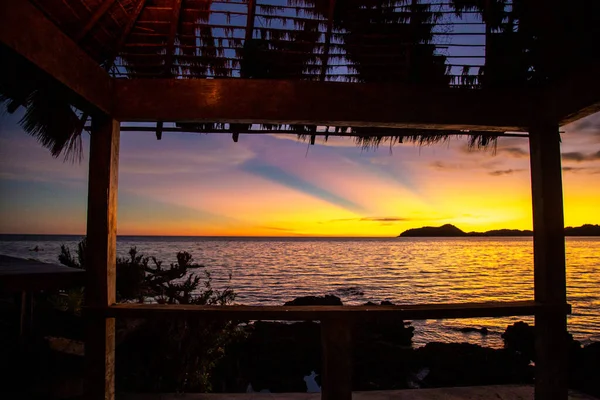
278, 186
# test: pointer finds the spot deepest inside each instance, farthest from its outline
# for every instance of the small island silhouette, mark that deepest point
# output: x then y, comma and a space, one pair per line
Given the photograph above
449, 230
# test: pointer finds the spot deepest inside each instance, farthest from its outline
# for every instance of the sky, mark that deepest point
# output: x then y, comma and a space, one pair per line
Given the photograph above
276, 185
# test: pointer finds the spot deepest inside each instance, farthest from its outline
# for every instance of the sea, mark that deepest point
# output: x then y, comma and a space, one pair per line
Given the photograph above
271, 271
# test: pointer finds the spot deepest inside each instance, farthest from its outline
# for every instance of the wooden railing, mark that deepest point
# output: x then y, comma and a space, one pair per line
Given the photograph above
336, 324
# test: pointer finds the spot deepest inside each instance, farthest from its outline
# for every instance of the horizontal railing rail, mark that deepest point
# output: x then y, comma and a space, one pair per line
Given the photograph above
297, 313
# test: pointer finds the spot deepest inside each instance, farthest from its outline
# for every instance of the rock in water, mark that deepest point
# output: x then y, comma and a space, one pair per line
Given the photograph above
327, 300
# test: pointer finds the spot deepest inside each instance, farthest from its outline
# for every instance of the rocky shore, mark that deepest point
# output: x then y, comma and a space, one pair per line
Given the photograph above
277, 357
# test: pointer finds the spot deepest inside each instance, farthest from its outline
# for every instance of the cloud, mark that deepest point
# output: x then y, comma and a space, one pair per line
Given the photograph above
515, 152
501, 172
590, 171
276, 174
578, 156
441, 166
386, 220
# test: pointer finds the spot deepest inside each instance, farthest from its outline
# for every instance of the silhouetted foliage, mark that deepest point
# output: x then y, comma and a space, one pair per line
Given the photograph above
162, 354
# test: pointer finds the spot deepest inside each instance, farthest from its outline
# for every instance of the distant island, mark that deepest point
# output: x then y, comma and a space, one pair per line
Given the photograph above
449, 230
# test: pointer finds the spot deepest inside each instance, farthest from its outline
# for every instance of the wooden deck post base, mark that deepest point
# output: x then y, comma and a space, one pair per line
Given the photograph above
336, 338
551, 372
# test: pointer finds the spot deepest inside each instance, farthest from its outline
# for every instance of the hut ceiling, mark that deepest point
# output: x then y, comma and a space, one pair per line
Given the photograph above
469, 44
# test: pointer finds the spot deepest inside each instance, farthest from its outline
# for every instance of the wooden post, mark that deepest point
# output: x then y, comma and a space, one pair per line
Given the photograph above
549, 263
337, 359
101, 256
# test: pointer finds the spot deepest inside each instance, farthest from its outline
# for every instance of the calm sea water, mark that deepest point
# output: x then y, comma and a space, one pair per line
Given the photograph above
402, 270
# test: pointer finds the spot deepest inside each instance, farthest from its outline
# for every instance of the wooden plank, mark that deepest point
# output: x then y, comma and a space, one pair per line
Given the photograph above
549, 263
27, 31
325, 57
99, 359
101, 255
250, 131
336, 340
100, 11
135, 13
320, 103
299, 313
251, 7
170, 54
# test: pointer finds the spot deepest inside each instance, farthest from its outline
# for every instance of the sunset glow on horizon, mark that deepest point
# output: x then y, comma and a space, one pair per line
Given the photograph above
270, 185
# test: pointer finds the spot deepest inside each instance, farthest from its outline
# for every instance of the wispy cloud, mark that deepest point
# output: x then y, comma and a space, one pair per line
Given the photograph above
584, 170
386, 220
516, 152
442, 166
579, 156
501, 172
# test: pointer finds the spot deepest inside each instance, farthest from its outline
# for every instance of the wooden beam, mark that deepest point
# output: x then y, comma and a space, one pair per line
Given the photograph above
170, 54
101, 256
336, 340
320, 313
95, 17
27, 31
325, 58
125, 33
549, 263
373, 132
251, 4
320, 103
578, 95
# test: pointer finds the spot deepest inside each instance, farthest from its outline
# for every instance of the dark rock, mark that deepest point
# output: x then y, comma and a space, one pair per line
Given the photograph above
384, 330
327, 300
463, 364
585, 369
276, 356
520, 337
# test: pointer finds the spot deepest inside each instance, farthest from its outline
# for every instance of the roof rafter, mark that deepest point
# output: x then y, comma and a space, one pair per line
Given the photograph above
126, 31
250, 19
325, 58
96, 16
170, 54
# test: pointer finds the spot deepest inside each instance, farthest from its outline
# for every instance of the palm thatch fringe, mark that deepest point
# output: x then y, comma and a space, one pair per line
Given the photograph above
50, 115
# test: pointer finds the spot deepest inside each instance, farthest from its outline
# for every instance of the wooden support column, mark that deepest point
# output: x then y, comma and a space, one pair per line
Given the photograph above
336, 339
101, 257
549, 263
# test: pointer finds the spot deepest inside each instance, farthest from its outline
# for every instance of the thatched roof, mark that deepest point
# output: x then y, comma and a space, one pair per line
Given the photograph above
416, 41
435, 43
